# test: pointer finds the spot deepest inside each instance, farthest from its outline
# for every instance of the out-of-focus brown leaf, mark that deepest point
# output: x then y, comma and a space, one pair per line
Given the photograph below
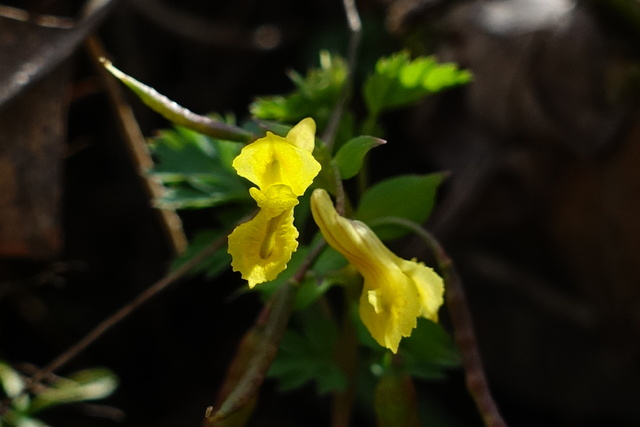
31, 135
30, 47
32, 124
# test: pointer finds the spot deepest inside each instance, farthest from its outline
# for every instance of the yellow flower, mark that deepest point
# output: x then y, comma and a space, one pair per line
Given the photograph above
282, 168
396, 291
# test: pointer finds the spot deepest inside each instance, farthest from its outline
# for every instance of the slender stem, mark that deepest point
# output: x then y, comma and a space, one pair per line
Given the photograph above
355, 28
464, 335
126, 310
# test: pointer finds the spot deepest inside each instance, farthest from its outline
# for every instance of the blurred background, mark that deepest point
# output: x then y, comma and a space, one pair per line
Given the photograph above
540, 213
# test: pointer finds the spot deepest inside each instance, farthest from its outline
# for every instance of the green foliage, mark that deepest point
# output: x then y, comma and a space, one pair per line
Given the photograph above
350, 156
410, 197
89, 384
196, 170
315, 96
11, 381
307, 354
429, 352
399, 81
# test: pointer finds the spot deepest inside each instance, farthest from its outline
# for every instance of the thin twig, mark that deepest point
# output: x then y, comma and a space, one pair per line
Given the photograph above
125, 311
137, 146
463, 331
355, 28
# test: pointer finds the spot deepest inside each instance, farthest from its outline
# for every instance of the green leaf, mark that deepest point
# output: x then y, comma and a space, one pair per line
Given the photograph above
214, 264
196, 170
350, 156
89, 384
399, 81
307, 355
11, 380
429, 351
407, 196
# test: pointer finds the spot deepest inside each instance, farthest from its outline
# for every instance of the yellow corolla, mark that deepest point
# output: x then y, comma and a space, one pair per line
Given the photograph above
396, 291
282, 168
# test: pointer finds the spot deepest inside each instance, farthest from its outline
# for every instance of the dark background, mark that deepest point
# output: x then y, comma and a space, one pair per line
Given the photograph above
540, 213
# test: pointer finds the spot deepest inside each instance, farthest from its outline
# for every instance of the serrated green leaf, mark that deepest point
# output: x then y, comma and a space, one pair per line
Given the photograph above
407, 196
196, 170
398, 81
307, 355
350, 156
89, 384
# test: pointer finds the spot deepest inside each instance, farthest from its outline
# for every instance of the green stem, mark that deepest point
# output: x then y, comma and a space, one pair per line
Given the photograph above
355, 27
347, 360
256, 352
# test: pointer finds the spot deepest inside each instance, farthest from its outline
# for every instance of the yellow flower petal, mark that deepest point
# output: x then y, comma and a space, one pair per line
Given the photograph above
262, 247
302, 135
283, 169
274, 160
395, 291
276, 199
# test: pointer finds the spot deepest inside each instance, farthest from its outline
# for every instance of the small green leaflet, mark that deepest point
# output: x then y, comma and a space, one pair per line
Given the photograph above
350, 156
398, 81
